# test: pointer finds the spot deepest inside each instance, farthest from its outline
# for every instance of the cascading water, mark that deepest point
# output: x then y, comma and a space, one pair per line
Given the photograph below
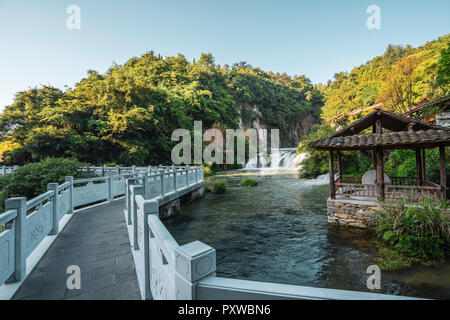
280, 159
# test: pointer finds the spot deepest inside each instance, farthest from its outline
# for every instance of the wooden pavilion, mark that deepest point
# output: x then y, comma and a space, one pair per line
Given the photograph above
389, 131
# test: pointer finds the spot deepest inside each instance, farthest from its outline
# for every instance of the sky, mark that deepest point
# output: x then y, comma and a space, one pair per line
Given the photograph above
314, 38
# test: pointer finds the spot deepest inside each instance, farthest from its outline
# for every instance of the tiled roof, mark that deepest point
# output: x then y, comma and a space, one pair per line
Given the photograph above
388, 139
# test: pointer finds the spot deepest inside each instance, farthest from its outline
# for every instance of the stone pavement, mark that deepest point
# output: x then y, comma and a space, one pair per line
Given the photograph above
97, 241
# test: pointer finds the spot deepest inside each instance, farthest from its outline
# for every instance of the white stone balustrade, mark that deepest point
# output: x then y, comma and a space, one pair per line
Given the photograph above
25, 224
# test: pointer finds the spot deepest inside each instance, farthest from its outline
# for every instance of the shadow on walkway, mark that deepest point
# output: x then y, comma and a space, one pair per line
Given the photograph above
97, 241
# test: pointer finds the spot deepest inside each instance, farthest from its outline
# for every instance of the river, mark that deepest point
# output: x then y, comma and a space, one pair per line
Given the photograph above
278, 232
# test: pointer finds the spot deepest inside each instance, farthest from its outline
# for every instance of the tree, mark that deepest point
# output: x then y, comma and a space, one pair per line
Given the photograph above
443, 73
398, 89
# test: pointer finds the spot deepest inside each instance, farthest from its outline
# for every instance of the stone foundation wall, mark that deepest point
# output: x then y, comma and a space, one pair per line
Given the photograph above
352, 213
173, 207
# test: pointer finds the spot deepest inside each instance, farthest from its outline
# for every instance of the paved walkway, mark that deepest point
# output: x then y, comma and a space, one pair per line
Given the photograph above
97, 241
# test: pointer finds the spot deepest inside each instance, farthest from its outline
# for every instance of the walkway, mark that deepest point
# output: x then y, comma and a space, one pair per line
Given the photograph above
97, 241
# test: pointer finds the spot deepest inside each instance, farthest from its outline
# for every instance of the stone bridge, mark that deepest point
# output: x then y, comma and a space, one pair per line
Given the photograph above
102, 238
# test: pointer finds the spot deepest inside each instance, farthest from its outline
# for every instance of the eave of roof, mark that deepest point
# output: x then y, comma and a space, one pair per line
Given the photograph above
389, 120
388, 140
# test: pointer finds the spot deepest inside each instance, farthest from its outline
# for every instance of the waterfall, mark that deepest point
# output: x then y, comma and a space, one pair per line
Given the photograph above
280, 159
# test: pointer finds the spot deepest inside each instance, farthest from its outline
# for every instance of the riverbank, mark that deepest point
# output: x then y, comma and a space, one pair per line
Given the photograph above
277, 231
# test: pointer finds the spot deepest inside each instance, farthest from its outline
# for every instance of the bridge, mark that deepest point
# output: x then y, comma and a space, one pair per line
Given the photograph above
109, 228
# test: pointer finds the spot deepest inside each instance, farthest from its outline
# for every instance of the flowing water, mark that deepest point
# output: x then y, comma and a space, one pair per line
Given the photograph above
278, 232
279, 159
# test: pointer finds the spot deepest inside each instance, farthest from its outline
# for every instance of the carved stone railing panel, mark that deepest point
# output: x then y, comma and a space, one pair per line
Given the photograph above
63, 202
39, 223
7, 234
91, 192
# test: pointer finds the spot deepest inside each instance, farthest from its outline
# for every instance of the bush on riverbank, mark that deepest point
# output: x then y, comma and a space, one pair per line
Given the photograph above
248, 182
207, 170
420, 230
219, 186
31, 179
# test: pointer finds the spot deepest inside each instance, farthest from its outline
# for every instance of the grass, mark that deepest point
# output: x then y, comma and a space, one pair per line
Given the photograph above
248, 182
419, 231
219, 186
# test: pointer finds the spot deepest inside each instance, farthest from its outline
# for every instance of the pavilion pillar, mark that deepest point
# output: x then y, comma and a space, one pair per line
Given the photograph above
443, 172
424, 166
339, 165
331, 172
380, 173
419, 167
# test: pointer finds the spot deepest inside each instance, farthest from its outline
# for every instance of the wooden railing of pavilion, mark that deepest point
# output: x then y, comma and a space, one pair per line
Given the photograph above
400, 187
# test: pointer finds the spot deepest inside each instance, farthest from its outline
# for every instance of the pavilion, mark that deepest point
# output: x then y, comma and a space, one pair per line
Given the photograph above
389, 131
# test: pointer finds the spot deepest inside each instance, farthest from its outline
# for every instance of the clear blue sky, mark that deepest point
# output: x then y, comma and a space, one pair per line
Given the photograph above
316, 38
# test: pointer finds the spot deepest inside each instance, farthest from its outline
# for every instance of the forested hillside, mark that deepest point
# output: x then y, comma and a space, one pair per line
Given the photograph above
128, 114
400, 78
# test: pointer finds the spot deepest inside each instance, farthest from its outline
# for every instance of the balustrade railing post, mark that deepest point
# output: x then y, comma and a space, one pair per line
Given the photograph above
194, 262
71, 203
133, 168
128, 198
149, 169
174, 170
55, 223
162, 182
117, 169
196, 174
150, 207
4, 170
135, 190
109, 180
20, 256
103, 171
146, 187
187, 175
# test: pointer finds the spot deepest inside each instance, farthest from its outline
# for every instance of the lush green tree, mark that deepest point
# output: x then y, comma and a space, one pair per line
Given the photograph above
443, 73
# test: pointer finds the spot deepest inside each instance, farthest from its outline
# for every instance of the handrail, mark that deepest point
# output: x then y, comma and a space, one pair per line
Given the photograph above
39, 199
7, 216
91, 179
63, 186
29, 232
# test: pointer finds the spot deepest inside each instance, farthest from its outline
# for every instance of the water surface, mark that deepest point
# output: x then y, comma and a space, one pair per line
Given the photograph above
278, 232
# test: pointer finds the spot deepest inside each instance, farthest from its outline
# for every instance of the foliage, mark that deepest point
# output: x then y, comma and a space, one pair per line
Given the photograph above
219, 186
389, 259
402, 163
128, 114
248, 182
418, 73
398, 88
207, 170
443, 73
353, 162
31, 179
420, 230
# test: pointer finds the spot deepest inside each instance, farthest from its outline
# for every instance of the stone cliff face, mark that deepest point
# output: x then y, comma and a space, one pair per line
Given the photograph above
291, 130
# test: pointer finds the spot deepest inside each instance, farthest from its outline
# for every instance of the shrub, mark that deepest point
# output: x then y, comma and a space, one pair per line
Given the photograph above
219, 186
207, 170
421, 230
31, 179
248, 182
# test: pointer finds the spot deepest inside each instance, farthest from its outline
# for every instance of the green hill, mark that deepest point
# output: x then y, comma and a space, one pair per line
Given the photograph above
127, 115
385, 79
